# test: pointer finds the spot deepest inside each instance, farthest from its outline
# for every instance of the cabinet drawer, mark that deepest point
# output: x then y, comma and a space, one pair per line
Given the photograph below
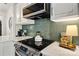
8, 43
8, 51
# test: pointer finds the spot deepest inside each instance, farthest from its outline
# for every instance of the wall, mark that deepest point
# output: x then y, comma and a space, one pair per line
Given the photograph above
57, 28
42, 25
50, 30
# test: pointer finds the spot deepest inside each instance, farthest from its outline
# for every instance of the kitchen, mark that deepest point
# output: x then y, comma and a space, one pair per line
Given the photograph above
36, 29
50, 25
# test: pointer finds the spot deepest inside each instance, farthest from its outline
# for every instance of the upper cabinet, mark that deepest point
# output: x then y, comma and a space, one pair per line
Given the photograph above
19, 15
60, 11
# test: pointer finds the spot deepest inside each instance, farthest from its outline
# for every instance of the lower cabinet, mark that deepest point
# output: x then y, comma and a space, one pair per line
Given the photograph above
1, 49
7, 48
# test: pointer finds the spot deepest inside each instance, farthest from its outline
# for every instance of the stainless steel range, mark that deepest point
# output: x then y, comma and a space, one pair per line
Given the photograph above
30, 48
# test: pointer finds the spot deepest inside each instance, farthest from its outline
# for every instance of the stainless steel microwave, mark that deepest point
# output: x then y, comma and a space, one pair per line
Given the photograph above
36, 9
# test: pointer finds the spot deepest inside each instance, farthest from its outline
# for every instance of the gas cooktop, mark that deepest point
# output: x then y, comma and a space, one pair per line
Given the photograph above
31, 43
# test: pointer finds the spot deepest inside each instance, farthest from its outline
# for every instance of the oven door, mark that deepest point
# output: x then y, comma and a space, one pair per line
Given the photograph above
20, 50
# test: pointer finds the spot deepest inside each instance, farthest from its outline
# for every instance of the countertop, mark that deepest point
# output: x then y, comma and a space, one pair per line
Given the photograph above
54, 50
23, 38
7, 38
4, 38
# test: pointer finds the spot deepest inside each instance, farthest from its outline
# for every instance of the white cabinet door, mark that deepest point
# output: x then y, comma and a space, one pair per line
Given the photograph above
1, 49
8, 48
59, 10
8, 51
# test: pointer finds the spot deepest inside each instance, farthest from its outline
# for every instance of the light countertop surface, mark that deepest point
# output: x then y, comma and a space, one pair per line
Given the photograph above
4, 38
7, 38
23, 38
54, 50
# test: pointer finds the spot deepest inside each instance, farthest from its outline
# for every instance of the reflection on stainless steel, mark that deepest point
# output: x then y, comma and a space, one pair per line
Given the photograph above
38, 43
